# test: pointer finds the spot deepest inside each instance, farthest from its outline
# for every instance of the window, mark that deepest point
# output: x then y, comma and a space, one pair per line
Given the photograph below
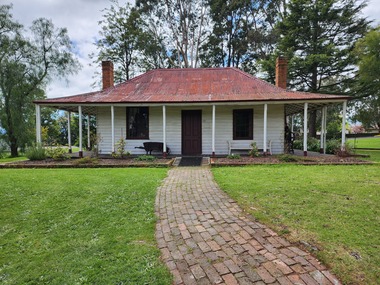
137, 123
243, 124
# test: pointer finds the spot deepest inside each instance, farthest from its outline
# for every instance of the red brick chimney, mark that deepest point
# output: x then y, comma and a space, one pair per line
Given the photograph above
281, 71
107, 74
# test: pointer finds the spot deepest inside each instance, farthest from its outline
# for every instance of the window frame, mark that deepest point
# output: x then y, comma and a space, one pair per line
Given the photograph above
237, 112
127, 136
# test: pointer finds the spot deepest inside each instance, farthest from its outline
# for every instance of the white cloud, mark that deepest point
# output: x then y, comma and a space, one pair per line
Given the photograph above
81, 18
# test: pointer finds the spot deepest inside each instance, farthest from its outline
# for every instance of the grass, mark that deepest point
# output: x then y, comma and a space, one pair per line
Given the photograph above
335, 208
79, 226
374, 155
373, 142
12, 159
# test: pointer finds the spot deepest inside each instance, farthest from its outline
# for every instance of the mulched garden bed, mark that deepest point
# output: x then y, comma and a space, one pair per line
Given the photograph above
246, 160
90, 163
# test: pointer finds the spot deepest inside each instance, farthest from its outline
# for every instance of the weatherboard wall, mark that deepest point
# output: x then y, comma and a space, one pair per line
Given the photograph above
223, 128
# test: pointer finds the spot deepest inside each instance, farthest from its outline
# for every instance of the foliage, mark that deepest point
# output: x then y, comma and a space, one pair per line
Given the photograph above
120, 149
145, 157
181, 25
57, 153
242, 32
233, 156
254, 152
119, 38
334, 208
313, 144
367, 107
82, 224
344, 152
27, 64
333, 145
318, 37
36, 152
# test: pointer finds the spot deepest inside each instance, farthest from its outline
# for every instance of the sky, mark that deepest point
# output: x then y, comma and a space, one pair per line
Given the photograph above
81, 18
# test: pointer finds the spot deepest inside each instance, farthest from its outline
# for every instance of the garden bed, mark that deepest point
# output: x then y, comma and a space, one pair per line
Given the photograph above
274, 159
88, 163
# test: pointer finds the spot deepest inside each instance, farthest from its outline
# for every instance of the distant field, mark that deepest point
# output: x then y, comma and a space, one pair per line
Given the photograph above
373, 142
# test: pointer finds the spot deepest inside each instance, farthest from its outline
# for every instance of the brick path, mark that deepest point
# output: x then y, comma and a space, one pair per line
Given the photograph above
205, 238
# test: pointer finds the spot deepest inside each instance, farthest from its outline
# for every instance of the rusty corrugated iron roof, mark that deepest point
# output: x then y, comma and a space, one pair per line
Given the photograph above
190, 86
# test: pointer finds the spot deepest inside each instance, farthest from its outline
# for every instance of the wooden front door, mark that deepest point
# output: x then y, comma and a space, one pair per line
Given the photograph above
191, 132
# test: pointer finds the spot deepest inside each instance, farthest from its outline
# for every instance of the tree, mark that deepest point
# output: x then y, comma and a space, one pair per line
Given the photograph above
128, 42
367, 90
119, 33
26, 66
318, 37
243, 31
184, 25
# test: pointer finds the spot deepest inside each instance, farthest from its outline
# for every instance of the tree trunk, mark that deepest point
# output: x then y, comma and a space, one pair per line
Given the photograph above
14, 146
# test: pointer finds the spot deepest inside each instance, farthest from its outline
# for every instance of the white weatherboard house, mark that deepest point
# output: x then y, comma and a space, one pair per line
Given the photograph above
203, 111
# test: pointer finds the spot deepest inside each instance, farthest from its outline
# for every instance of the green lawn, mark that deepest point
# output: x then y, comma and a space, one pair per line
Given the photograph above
79, 226
374, 155
373, 142
335, 208
12, 159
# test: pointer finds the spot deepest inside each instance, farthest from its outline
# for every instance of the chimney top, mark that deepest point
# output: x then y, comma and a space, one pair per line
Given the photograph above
107, 74
281, 71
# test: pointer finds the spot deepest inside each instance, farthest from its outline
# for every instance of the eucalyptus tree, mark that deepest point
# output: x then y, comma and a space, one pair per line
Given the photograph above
183, 25
243, 32
27, 64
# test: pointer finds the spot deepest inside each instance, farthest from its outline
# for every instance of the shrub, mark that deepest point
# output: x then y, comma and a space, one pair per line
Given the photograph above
332, 146
254, 152
57, 153
347, 151
233, 156
298, 144
313, 144
35, 152
120, 149
145, 158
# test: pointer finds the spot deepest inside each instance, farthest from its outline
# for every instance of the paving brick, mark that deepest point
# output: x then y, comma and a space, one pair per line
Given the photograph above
197, 271
272, 269
221, 268
320, 278
295, 279
205, 238
308, 279
214, 245
331, 277
232, 266
284, 281
265, 275
282, 267
229, 279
